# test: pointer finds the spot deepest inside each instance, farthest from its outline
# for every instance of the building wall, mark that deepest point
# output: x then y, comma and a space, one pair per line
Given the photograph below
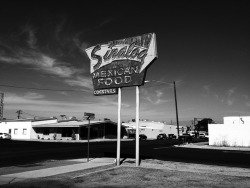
237, 120
152, 129
234, 132
19, 130
23, 129
150, 133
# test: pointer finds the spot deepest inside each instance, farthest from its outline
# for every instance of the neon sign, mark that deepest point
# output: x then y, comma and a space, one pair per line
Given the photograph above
122, 63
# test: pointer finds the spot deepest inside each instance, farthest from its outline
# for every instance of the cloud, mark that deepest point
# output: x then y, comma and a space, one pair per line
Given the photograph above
153, 96
105, 22
222, 99
11, 60
40, 62
155, 101
24, 49
82, 46
227, 97
230, 102
31, 39
159, 93
230, 92
80, 81
245, 97
247, 104
34, 103
59, 27
33, 95
52, 66
206, 88
37, 100
63, 93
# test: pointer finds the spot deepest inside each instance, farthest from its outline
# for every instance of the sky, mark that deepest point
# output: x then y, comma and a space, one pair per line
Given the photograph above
204, 46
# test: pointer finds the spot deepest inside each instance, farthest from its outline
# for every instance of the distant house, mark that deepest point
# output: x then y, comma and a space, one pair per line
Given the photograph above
151, 129
52, 129
23, 128
234, 132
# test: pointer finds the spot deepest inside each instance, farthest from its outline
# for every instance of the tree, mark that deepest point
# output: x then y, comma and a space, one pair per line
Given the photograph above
202, 125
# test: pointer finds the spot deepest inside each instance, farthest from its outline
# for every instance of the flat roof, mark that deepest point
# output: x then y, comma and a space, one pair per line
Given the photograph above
70, 124
26, 120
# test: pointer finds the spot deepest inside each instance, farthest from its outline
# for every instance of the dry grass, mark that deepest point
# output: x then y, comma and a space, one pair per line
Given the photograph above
137, 177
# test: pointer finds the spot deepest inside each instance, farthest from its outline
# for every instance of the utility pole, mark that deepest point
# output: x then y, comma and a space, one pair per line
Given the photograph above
18, 113
1, 105
176, 110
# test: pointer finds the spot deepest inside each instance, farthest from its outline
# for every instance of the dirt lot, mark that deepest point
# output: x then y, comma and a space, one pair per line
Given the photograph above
151, 173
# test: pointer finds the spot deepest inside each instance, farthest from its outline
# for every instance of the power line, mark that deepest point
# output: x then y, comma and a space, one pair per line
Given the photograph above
28, 114
45, 89
69, 90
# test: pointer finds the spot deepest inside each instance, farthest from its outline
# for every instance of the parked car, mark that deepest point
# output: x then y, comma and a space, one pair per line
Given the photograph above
171, 136
162, 136
192, 133
206, 135
5, 136
202, 135
142, 137
185, 137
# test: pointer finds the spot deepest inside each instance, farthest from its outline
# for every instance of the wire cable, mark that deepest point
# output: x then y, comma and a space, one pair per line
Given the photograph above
46, 89
69, 90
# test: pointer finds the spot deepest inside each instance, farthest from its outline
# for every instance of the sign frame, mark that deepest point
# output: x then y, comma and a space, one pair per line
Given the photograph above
122, 63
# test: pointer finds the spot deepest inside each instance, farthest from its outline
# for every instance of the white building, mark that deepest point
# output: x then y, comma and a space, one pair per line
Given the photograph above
52, 129
151, 128
23, 128
234, 132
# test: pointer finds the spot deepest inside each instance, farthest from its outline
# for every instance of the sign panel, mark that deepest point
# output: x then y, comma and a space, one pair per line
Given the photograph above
105, 91
122, 63
89, 115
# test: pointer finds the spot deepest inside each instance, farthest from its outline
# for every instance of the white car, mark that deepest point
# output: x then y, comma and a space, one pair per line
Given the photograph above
202, 135
192, 133
5, 136
206, 135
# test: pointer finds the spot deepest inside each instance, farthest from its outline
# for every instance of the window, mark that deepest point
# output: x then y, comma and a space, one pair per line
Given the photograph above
15, 131
46, 131
25, 131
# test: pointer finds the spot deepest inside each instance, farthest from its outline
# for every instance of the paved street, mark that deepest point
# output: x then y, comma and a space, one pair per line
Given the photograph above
72, 172
26, 152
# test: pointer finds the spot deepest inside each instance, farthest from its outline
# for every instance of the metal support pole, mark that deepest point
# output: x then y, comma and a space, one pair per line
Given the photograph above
137, 123
88, 139
104, 130
119, 128
176, 110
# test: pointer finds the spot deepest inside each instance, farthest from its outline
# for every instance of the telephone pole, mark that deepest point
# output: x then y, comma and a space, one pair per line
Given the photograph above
1, 105
18, 113
176, 109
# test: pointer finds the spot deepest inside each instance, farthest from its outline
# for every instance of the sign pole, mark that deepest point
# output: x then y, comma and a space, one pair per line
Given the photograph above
129, 56
119, 128
88, 139
137, 124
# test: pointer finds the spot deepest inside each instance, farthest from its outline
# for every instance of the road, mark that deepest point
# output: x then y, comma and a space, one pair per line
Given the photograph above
26, 152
